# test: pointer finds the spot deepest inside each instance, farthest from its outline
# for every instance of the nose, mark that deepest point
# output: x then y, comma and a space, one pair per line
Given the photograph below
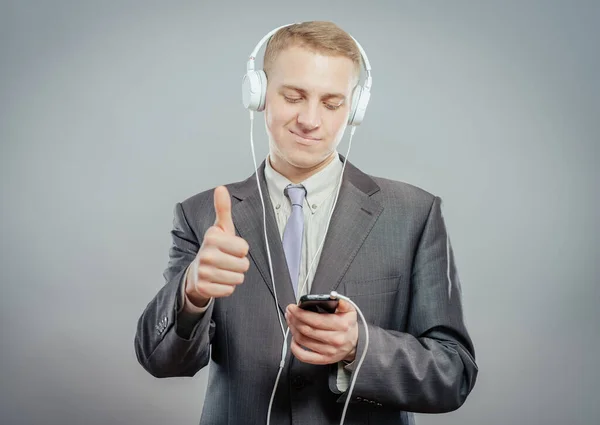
309, 116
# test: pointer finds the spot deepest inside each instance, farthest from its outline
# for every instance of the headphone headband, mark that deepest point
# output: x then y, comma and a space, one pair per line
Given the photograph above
363, 54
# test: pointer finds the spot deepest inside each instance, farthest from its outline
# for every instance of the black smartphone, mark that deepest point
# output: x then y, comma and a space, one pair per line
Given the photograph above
318, 303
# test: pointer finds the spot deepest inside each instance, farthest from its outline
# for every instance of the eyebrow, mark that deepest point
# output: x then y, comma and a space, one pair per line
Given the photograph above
302, 91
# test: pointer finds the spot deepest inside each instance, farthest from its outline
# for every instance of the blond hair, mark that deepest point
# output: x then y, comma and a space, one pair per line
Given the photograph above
318, 36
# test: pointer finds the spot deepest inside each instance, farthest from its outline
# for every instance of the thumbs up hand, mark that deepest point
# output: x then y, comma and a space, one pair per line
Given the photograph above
221, 261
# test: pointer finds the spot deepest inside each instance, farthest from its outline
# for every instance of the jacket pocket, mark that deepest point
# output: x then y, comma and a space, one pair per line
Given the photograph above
380, 285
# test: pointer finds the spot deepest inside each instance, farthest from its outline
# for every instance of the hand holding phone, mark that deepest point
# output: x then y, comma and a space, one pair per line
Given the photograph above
324, 338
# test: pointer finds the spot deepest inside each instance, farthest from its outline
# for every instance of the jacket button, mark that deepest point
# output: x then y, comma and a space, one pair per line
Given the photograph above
298, 382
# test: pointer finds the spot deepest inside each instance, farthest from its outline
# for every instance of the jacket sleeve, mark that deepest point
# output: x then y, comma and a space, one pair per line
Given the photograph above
431, 367
168, 341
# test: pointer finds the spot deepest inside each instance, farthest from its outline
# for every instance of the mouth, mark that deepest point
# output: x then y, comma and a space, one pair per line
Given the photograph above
308, 141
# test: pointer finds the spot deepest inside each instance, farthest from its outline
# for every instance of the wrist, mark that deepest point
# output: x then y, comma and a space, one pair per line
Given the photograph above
193, 303
190, 297
197, 302
352, 354
350, 357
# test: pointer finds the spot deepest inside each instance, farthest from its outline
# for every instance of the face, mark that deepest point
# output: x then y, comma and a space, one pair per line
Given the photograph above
308, 100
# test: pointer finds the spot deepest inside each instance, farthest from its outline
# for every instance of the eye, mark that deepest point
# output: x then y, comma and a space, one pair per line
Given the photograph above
292, 99
332, 107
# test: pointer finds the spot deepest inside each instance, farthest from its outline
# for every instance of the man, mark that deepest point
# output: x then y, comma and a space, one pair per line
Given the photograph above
387, 249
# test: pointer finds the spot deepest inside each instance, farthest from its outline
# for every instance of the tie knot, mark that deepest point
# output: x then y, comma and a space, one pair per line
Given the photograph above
296, 193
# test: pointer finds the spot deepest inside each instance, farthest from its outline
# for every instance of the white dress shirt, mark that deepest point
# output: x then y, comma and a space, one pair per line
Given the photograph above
320, 195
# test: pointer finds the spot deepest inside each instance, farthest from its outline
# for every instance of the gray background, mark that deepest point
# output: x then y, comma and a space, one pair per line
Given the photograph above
113, 111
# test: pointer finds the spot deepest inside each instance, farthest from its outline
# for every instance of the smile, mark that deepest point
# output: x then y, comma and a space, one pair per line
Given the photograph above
304, 140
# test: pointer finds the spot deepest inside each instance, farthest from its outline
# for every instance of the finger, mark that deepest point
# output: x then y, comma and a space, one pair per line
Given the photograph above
234, 245
329, 338
213, 290
324, 321
312, 344
223, 277
344, 307
299, 327
227, 243
308, 356
223, 218
216, 258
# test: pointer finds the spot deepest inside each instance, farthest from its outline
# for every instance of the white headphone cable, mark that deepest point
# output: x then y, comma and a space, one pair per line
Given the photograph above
265, 226
362, 357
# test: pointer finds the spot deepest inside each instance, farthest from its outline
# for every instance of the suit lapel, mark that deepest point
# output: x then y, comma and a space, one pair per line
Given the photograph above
247, 215
354, 216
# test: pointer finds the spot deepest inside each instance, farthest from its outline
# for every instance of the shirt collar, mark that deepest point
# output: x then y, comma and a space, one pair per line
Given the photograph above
319, 186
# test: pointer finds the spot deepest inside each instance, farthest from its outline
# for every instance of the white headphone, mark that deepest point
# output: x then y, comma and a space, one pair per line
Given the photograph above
254, 85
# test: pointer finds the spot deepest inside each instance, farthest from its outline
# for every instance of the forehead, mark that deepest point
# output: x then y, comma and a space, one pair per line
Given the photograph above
313, 71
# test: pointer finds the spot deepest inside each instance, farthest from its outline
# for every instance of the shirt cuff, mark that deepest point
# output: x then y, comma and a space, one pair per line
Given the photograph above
342, 377
349, 366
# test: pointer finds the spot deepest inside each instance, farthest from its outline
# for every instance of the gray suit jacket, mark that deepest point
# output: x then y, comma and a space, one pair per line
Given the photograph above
387, 249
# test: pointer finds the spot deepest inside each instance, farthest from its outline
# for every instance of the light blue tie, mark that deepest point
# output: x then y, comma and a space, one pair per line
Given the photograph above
292, 235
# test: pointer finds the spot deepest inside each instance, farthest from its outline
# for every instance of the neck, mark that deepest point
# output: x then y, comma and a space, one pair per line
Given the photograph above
297, 175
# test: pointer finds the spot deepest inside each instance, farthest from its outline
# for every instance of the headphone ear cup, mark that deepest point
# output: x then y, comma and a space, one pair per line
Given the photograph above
254, 87
360, 100
263, 90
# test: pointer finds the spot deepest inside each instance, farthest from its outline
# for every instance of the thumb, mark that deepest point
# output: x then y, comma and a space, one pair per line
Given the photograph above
223, 210
344, 307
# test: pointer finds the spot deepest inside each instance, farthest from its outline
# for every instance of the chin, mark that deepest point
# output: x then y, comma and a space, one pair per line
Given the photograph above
298, 155
303, 159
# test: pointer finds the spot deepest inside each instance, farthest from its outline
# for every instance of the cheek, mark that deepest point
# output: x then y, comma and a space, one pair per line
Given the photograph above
275, 123
278, 114
269, 116
337, 124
